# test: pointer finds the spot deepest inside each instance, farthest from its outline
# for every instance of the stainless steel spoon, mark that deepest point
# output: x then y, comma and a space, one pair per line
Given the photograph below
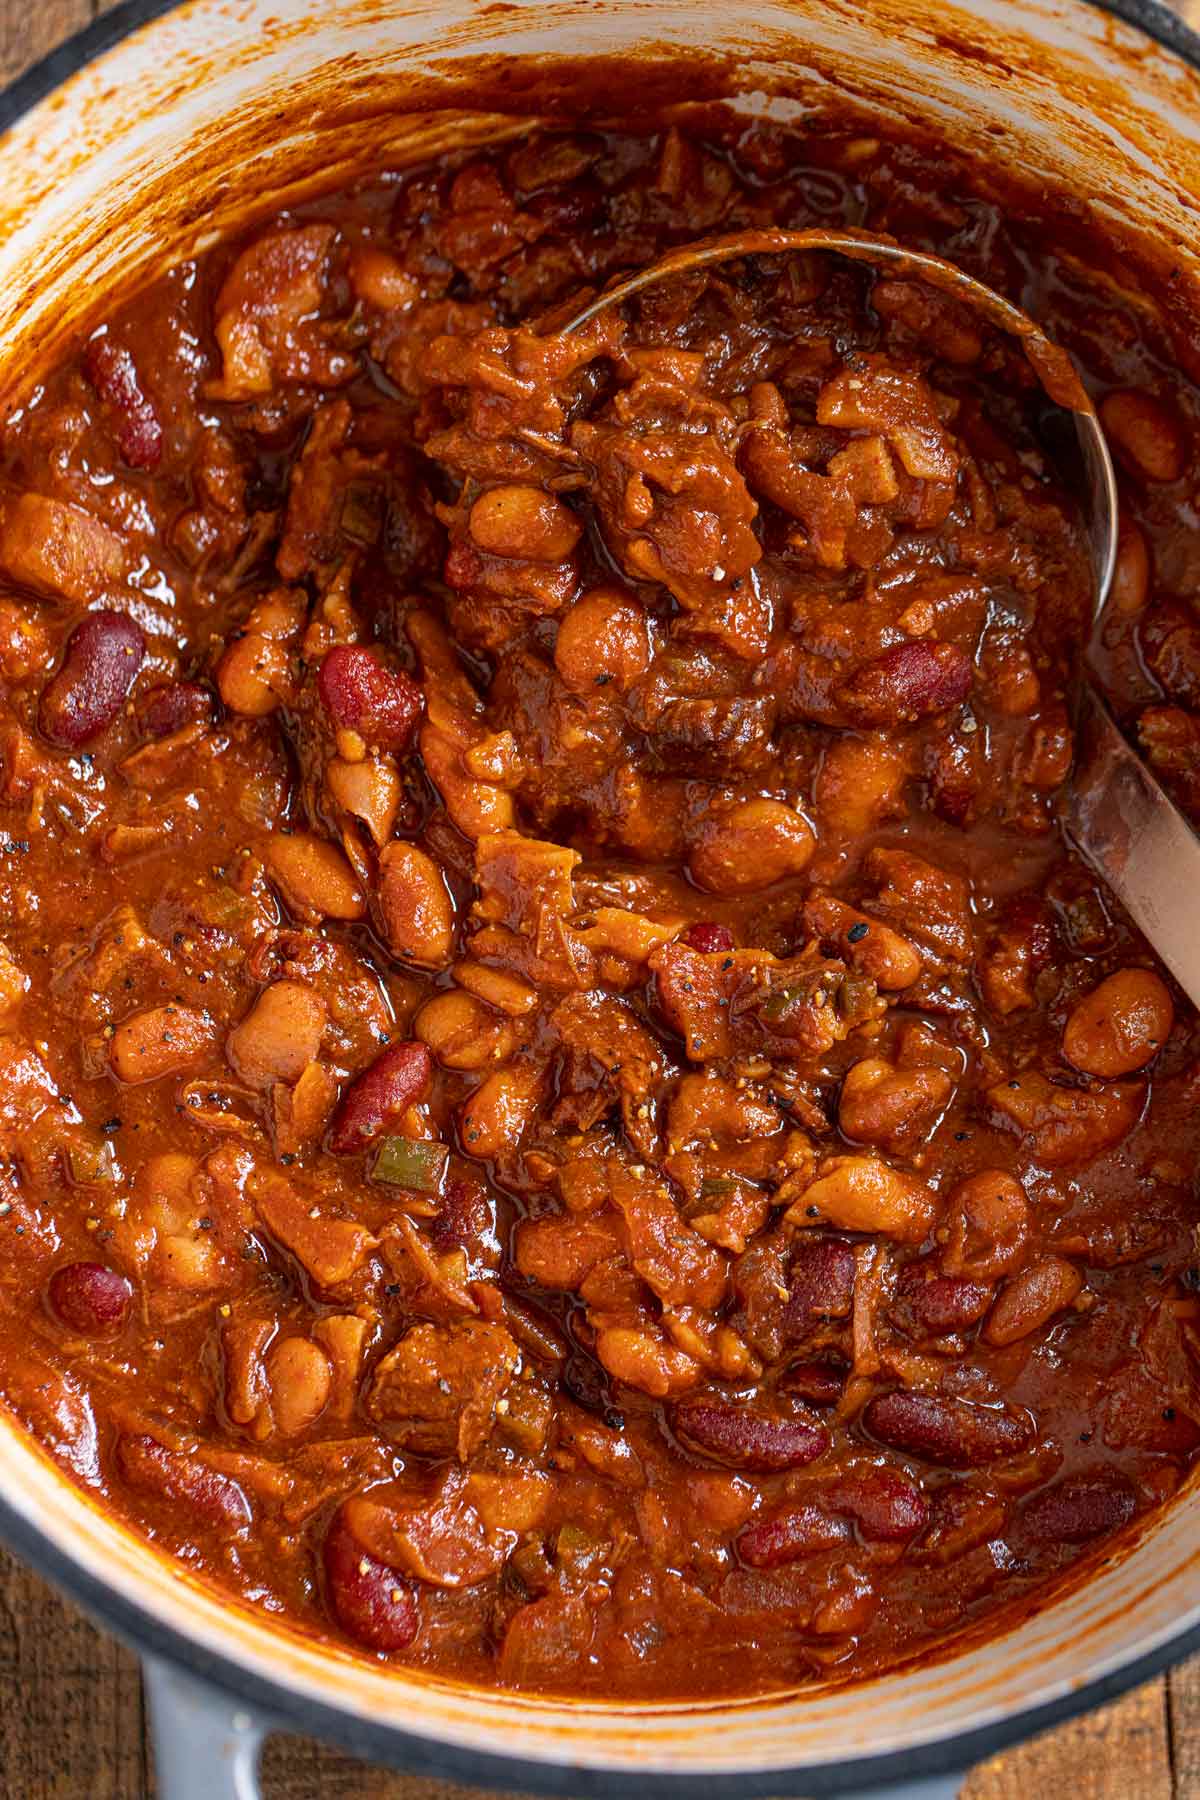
1116, 812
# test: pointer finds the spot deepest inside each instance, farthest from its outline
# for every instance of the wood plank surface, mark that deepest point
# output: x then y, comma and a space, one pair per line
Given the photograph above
73, 1722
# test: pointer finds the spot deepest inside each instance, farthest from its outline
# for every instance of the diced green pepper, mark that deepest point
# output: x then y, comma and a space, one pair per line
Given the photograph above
411, 1163
90, 1162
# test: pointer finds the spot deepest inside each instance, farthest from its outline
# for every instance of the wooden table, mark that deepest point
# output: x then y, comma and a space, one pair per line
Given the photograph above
73, 1719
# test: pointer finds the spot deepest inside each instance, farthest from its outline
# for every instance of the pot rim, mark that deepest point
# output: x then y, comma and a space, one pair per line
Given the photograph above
277, 1705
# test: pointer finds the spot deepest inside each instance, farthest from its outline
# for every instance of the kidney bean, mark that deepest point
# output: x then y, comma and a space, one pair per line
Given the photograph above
373, 1603
1031, 1299
103, 655
90, 1298
170, 705
799, 1532
929, 1303
907, 682
1121, 1025
745, 1438
821, 1285
183, 1480
820, 1383
113, 373
942, 1430
887, 1507
709, 939
362, 693
1079, 1508
379, 1096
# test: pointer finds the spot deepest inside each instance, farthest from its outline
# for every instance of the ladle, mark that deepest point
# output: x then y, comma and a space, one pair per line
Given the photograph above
1116, 812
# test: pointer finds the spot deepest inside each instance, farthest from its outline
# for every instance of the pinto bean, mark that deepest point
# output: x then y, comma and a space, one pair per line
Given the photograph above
1145, 434
362, 693
987, 1226
494, 1118
374, 1604
1081, 1507
907, 682
746, 1438
951, 1432
84, 696
751, 845
417, 909
463, 1033
314, 877
379, 1097
889, 1106
183, 1481
866, 944
1121, 1025
1131, 575
370, 789
90, 1298
158, 1041
788, 1536
301, 1379
254, 676
864, 1193
1031, 1299
524, 522
860, 782
279, 1036
602, 639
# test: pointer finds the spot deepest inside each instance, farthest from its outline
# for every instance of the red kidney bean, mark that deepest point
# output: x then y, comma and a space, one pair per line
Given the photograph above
748, 1439
378, 1097
90, 1298
184, 1480
930, 1304
170, 705
821, 1284
372, 1603
887, 1506
103, 655
708, 938
361, 693
113, 373
820, 1383
951, 1432
1079, 1508
787, 1537
907, 682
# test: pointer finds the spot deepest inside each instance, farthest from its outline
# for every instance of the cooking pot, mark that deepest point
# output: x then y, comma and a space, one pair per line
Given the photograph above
163, 126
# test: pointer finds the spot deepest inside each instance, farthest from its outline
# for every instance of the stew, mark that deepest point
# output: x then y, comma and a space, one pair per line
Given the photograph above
567, 1116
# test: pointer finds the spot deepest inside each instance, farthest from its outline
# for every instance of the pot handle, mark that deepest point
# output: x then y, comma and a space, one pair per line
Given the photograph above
206, 1746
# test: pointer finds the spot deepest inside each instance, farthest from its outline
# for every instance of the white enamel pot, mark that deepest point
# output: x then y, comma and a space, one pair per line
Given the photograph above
165, 124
